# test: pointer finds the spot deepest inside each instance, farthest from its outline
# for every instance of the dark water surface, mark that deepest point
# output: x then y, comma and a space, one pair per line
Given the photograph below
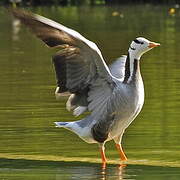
30, 145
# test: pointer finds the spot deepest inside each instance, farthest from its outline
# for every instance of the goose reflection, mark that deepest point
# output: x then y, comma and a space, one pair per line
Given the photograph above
94, 172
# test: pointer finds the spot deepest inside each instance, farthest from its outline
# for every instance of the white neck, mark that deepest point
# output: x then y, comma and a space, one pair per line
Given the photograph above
135, 54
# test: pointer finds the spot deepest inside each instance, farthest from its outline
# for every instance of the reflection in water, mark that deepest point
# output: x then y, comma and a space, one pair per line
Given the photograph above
47, 170
121, 171
116, 172
94, 172
15, 29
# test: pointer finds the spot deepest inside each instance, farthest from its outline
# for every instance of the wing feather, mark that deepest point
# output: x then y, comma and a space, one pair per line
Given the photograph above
117, 68
80, 68
55, 35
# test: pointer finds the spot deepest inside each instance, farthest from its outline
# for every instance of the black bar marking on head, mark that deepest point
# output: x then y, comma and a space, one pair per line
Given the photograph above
138, 42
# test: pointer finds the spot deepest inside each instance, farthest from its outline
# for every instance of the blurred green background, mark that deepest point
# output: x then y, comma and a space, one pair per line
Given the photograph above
85, 2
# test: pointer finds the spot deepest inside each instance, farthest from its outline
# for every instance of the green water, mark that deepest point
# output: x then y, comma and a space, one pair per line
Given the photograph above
30, 145
48, 170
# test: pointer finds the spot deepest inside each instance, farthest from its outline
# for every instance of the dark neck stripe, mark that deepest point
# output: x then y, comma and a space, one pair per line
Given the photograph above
128, 73
127, 69
135, 68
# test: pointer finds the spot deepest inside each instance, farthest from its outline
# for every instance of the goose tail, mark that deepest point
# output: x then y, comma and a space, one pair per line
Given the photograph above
83, 132
62, 124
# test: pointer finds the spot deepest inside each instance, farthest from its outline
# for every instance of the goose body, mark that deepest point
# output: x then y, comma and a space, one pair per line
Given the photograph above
120, 109
114, 95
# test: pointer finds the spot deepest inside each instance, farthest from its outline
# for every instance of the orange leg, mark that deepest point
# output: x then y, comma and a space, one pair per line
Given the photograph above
121, 152
103, 156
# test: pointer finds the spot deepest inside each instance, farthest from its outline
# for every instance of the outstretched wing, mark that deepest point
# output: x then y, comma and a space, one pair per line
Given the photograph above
80, 69
79, 62
117, 68
82, 58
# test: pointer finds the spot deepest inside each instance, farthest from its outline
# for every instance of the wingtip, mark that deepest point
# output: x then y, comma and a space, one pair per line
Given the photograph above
20, 13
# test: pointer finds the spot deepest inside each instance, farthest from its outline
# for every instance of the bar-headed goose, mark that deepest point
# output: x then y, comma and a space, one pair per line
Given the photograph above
114, 95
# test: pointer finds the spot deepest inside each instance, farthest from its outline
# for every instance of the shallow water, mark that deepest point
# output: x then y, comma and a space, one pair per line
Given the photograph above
34, 169
28, 107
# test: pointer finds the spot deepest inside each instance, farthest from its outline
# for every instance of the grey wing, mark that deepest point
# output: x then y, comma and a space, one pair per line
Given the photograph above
117, 68
100, 94
57, 35
104, 103
79, 65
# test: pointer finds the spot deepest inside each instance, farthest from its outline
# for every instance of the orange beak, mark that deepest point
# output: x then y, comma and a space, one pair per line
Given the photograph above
153, 44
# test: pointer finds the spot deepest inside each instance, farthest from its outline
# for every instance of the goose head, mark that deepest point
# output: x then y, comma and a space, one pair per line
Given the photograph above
139, 46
